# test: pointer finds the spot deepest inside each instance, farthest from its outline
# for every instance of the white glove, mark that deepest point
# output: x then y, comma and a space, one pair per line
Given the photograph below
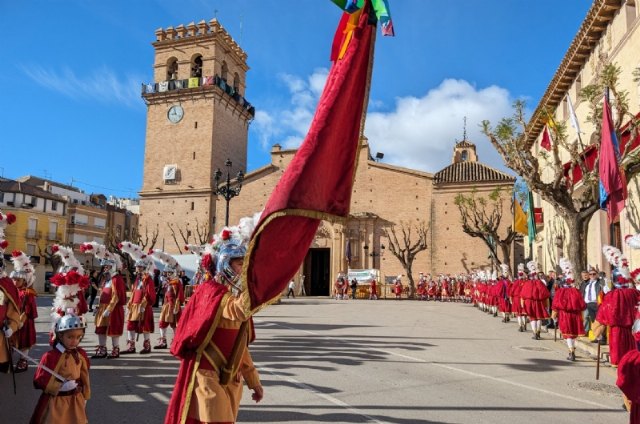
8, 332
68, 385
142, 310
106, 313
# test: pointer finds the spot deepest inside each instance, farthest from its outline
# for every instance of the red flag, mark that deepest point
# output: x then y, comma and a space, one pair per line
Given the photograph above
612, 178
545, 143
318, 182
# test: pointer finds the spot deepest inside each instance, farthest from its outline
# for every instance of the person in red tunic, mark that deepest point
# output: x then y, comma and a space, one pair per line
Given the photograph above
340, 287
9, 316
568, 305
109, 314
171, 305
397, 287
23, 277
373, 290
208, 388
534, 298
422, 287
64, 396
514, 295
629, 383
502, 291
618, 307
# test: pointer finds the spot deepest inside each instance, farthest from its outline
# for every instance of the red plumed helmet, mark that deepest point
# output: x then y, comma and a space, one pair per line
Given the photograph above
186, 248
150, 252
4, 244
226, 234
119, 245
58, 280
85, 247
54, 248
11, 218
16, 253
207, 263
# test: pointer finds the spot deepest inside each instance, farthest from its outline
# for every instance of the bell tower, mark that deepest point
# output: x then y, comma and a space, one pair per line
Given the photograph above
197, 118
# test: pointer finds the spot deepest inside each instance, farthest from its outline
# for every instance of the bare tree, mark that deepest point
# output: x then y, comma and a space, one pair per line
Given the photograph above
49, 257
197, 234
407, 246
575, 203
146, 241
481, 217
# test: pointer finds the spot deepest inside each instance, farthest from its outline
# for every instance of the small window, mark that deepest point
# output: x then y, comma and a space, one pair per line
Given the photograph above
172, 69
193, 206
224, 72
54, 205
464, 156
196, 67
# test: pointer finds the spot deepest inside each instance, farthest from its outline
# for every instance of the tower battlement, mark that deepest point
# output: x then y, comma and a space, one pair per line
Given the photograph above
201, 30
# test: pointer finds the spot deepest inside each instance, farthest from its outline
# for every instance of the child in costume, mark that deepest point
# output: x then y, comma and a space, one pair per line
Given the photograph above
65, 385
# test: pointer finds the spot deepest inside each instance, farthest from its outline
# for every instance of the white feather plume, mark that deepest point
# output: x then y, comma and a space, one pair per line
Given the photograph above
633, 241
69, 258
166, 259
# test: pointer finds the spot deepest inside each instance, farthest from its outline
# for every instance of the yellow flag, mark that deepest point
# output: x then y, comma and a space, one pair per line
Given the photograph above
519, 219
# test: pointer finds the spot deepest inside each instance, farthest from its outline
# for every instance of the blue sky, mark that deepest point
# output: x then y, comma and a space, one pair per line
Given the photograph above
71, 73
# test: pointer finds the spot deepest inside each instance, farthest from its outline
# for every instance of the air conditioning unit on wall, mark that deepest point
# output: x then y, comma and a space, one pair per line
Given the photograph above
170, 173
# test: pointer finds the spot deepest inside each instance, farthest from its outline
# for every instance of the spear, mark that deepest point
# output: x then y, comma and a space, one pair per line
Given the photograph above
44, 367
13, 371
598, 363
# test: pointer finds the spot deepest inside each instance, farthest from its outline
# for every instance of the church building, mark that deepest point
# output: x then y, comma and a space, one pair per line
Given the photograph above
197, 122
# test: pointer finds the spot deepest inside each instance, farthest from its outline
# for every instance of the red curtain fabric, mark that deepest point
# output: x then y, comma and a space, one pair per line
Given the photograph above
318, 182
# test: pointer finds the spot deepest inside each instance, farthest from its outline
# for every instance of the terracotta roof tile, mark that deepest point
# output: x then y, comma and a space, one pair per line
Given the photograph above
468, 172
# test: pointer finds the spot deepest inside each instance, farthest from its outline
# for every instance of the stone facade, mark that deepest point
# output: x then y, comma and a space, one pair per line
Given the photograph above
610, 33
386, 195
181, 155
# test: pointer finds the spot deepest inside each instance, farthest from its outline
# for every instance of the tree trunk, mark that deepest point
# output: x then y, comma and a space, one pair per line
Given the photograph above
577, 229
506, 255
412, 284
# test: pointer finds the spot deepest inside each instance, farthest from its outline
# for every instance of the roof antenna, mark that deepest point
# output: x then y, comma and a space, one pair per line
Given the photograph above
464, 134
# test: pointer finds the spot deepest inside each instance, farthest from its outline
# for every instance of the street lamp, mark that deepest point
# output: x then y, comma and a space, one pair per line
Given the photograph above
375, 254
226, 190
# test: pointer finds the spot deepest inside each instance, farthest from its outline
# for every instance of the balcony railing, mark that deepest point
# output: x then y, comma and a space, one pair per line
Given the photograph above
54, 236
33, 234
195, 82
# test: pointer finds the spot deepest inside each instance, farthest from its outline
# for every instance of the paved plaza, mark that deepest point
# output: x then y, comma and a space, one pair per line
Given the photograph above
323, 360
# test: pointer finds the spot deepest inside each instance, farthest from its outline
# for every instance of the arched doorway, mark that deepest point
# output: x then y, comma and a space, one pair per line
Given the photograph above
317, 272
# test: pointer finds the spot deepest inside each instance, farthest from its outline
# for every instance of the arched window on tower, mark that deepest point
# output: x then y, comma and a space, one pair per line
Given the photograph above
236, 82
464, 156
224, 72
172, 69
196, 67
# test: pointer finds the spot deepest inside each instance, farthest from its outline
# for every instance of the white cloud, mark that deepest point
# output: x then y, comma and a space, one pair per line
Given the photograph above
418, 133
289, 125
102, 85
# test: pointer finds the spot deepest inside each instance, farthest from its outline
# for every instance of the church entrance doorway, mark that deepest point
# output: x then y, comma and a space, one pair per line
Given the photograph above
317, 272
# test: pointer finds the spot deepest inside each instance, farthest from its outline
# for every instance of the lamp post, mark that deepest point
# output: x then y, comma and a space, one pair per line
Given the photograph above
226, 190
